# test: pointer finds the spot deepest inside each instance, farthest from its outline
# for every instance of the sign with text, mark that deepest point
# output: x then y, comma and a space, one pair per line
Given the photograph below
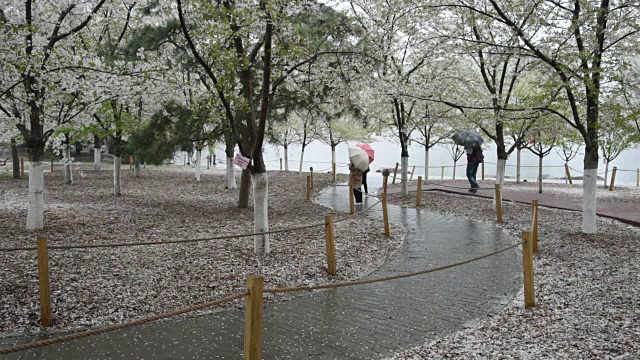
241, 161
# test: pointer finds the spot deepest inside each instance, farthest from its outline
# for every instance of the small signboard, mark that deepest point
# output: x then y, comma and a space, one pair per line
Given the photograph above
241, 161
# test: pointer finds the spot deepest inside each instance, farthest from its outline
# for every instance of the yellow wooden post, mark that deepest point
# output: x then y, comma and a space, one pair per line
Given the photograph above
385, 180
253, 318
21, 167
331, 248
43, 279
333, 167
412, 171
613, 178
534, 225
131, 162
280, 164
566, 169
527, 266
419, 194
395, 172
385, 215
483, 171
352, 206
308, 188
498, 199
442, 177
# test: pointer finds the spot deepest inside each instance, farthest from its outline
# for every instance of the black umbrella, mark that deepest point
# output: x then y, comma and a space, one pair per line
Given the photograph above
468, 138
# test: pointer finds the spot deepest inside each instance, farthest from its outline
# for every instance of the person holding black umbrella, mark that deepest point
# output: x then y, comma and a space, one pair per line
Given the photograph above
471, 140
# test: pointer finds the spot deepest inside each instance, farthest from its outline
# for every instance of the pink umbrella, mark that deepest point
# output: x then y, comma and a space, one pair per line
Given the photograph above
368, 149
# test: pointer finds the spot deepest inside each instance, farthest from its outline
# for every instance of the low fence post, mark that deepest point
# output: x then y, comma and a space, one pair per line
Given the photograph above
498, 204
638, 177
333, 169
412, 171
51, 164
566, 169
352, 206
385, 215
613, 178
419, 194
385, 180
131, 162
280, 164
308, 187
253, 318
442, 177
311, 174
527, 266
395, 172
483, 170
43, 280
21, 167
534, 225
331, 248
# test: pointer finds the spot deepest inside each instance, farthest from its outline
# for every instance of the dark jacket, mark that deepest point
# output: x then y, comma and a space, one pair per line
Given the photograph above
475, 156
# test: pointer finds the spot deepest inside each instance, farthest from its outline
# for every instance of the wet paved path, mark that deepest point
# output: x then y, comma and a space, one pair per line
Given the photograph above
360, 322
624, 212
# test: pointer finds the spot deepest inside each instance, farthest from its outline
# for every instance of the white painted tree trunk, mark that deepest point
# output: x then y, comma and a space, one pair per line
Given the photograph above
301, 160
35, 212
261, 213
518, 164
198, 163
426, 163
455, 164
97, 159
286, 158
606, 173
68, 174
136, 169
117, 161
404, 174
231, 176
500, 168
333, 158
589, 186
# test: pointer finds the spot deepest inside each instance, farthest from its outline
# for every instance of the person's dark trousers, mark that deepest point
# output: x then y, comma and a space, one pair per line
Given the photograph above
357, 193
364, 183
472, 169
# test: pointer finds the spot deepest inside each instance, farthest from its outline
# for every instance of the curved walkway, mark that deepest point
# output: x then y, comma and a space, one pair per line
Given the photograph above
360, 322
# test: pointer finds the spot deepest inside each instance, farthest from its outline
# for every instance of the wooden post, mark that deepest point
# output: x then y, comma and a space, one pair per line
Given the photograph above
253, 318
534, 225
331, 248
566, 169
311, 174
21, 167
352, 208
395, 172
308, 187
412, 171
613, 178
442, 177
482, 170
385, 180
280, 164
498, 199
419, 194
333, 167
638, 178
43, 278
527, 266
51, 164
385, 215
131, 162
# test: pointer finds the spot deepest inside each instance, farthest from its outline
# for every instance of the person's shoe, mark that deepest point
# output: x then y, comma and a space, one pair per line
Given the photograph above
474, 190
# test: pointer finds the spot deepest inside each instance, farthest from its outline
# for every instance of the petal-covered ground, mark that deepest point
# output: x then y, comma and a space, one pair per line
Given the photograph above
99, 286
586, 288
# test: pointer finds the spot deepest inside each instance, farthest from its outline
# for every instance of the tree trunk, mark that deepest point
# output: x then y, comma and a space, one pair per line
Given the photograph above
301, 159
97, 154
286, 158
15, 159
117, 160
405, 174
589, 186
455, 164
68, 175
426, 163
231, 176
261, 213
78, 148
197, 164
35, 213
136, 168
518, 164
500, 169
333, 161
606, 173
540, 174
245, 186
